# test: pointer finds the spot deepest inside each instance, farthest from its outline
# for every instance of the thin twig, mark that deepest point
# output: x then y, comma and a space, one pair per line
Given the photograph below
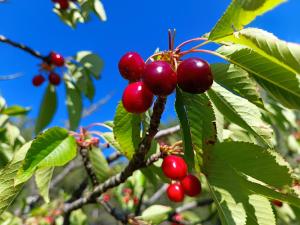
10, 76
23, 47
69, 168
156, 195
117, 214
192, 205
166, 132
77, 193
137, 161
113, 157
84, 152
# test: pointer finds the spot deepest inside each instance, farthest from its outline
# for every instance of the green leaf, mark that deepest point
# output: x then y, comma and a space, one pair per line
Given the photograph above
282, 53
91, 62
241, 177
196, 118
241, 112
8, 188
86, 85
277, 80
43, 179
74, 105
53, 148
127, 130
15, 110
99, 10
236, 80
47, 109
109, 138
239, 14
99, 164
156, 214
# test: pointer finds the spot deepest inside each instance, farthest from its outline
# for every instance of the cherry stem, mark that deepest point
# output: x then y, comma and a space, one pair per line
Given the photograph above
190, 41
98, 125
201, 51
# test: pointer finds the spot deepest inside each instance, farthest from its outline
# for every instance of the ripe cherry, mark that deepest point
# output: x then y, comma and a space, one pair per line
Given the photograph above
160, 78
174, 167
175, 192
191, 185
63, 4
194, 75
54, 78
137, 98
277, 203
131, 66
38, 80
56, 59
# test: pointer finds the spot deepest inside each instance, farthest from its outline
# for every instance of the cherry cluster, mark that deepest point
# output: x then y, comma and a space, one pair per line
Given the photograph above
160, 78
175, 168
63, 4
53, 60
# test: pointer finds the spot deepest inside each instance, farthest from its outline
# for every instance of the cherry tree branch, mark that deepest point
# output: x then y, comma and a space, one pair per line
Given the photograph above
167, 131
137, 162
23, 47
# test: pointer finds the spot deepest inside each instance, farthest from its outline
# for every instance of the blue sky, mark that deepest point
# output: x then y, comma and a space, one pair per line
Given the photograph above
132, 26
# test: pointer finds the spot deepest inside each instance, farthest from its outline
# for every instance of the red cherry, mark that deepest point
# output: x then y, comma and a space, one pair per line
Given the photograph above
57, 59
38, 80
191, 185
277, 203
160, 78
175, 192
131, 66
63, 4
194, 75
137, 98
54, 78
174, 167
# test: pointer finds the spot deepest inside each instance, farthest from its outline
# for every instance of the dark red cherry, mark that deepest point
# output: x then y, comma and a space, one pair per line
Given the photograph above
57, 59
137, 98
38, 80
131, 66
174, 167
63, 4
194, 75
54, 78
191, 185
160, 78
175, 192
277, 203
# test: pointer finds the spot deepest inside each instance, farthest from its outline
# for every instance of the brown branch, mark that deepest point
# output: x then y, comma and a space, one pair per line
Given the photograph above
84, 152
113, 157
137, 161
117, 214
23, 47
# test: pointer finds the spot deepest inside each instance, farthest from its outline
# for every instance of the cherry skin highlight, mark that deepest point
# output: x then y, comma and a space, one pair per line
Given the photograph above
38, 80
54, 78
191, 185
131, 66
57, 59
160, 78
137, 98
194, 75
175, 192
174, 167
